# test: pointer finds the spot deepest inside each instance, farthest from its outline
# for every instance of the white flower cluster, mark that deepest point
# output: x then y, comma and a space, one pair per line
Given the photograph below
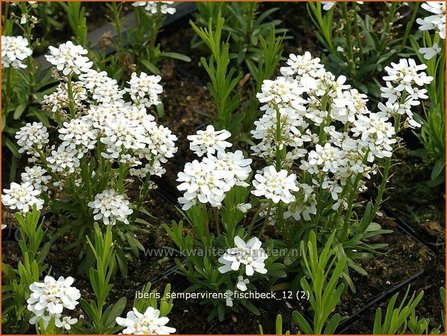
124, 132
32, 138
58, 102
69, 58
148, 323
156, 7
327, 5
144, 89
22, 197
250, 254
15, 50
49, 298
320, 122
110, 207
275, 185
209, 141
436, 21
208, 181
36, 177
403, 89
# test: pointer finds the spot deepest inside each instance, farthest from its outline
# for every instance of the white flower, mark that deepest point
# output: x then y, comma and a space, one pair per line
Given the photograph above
69, 58
144, 89
303, 65
159, 146
242, 283
249, 254
14, 51
63, 160
327, 5
121, 135
430, 52
66, 322
149, 323
22, 197
209, 141
305, 204
102, 88
110, 207
78, 135
275, 185
244, 207
329, 158
406, 73
52, 296
58, 101
156, 7
233, 163
229, 298
31, 138
36, 176
437, 20
203, 182
402, 81
281, 93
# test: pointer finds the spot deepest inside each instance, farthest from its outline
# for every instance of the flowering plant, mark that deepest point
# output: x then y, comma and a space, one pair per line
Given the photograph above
108, 142
321, 144
21, 91
17, 281
221, 257
430, 50
136, 48
357, 49
148, 316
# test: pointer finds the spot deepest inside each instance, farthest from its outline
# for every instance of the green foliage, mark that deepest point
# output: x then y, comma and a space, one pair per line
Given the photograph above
324, 270
148, 298
253, 44
209, 234
357, 48
136, 48
100, 317
397, 318
432, 135
16, 282
244, 28
224, 78
77, 21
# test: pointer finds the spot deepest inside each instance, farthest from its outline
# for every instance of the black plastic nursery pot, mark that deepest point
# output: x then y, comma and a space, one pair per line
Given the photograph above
190, 317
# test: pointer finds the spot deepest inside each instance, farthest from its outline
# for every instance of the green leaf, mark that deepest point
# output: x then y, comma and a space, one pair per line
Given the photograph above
251, 307
177, 56
438, 168
303, 325
19, 111
150, 66
116, 311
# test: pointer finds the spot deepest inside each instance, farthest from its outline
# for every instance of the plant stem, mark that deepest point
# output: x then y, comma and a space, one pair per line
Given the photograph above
385, 175
352, 194
266, 221
348, 39
71, 105
410, 24
253, 220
